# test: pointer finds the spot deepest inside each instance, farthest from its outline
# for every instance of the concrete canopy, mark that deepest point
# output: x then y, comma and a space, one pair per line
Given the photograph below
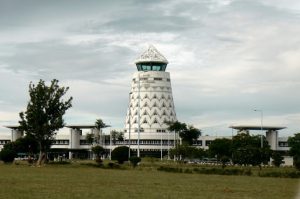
255, 127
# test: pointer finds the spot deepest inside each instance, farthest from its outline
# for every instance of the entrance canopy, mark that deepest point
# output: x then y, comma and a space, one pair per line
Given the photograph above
254, 127
81, 126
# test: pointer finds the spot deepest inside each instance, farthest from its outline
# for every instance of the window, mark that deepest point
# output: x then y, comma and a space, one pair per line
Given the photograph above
2, 142
208, 142
283, 144
157, 79
156, 68
151, 66
60, 142
168, 79
155, 121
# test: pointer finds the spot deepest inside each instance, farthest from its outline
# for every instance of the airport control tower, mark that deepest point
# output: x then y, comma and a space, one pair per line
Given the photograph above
150, 104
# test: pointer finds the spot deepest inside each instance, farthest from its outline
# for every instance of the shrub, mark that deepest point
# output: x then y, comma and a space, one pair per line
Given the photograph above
60, 163
120, 154
7, 155
297, 162
277, 159
113, 165
278, 174
134, 161
212, 171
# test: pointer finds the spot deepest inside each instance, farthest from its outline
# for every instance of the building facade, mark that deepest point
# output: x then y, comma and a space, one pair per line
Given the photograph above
151, 104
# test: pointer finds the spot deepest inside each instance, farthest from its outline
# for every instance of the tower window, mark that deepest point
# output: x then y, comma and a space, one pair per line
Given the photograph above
157, 79
151, 66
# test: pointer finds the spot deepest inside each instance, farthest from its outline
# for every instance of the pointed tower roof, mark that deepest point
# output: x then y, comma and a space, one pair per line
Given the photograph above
151, 55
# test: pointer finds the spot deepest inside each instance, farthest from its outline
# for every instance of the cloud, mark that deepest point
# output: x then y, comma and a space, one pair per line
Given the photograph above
226, 57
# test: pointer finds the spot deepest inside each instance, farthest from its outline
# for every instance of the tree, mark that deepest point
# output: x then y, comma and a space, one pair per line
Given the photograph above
98, 151
185, 151
117, 136
189, 135
44, 114
89, 138
277, 158
26, 144
221, 147
294, 144
120, 154
247, 150
99, 126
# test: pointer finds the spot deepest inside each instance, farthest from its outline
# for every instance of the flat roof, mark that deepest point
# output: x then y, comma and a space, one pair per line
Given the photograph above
255, 127
81, 126
68, 126
12, 126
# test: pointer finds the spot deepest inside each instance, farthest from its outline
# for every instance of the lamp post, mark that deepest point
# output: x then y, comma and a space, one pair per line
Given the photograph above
129, 126
110, 146
161, 146
139, 115
261, 125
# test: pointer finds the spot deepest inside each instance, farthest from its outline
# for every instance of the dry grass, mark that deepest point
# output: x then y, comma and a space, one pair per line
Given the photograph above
75, 181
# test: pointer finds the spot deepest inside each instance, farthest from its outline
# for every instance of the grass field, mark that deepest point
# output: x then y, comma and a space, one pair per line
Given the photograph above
77, 181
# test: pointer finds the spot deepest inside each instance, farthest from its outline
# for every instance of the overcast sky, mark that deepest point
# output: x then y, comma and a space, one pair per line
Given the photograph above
226, 58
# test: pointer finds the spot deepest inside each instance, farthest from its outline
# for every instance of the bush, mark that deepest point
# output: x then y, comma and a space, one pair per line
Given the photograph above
113, 165
120, 154
7, 155
297, 162
278, 174
212, 171
134, 161
59, 163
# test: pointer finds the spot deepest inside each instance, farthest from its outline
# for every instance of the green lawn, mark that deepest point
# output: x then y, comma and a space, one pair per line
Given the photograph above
69, 181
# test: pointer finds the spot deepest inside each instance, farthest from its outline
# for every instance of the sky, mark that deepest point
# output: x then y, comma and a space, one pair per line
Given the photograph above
226, 58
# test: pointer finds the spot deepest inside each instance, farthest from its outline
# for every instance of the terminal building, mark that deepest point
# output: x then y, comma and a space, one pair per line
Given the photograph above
151, 105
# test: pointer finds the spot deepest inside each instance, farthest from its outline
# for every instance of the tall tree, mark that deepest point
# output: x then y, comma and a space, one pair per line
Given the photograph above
189, 135
247, 150
177, 127
294, 144
117, 136
44, 114
221, 147
99, 126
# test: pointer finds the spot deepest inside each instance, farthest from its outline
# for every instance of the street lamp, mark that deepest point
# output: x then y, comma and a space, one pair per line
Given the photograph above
161, 145
129, 126
139, 115
261, 125
110, 146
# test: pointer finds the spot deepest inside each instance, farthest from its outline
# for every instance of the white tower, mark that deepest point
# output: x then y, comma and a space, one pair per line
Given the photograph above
150, 104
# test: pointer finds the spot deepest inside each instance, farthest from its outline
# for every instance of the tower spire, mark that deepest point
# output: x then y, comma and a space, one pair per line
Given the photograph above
151, 55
